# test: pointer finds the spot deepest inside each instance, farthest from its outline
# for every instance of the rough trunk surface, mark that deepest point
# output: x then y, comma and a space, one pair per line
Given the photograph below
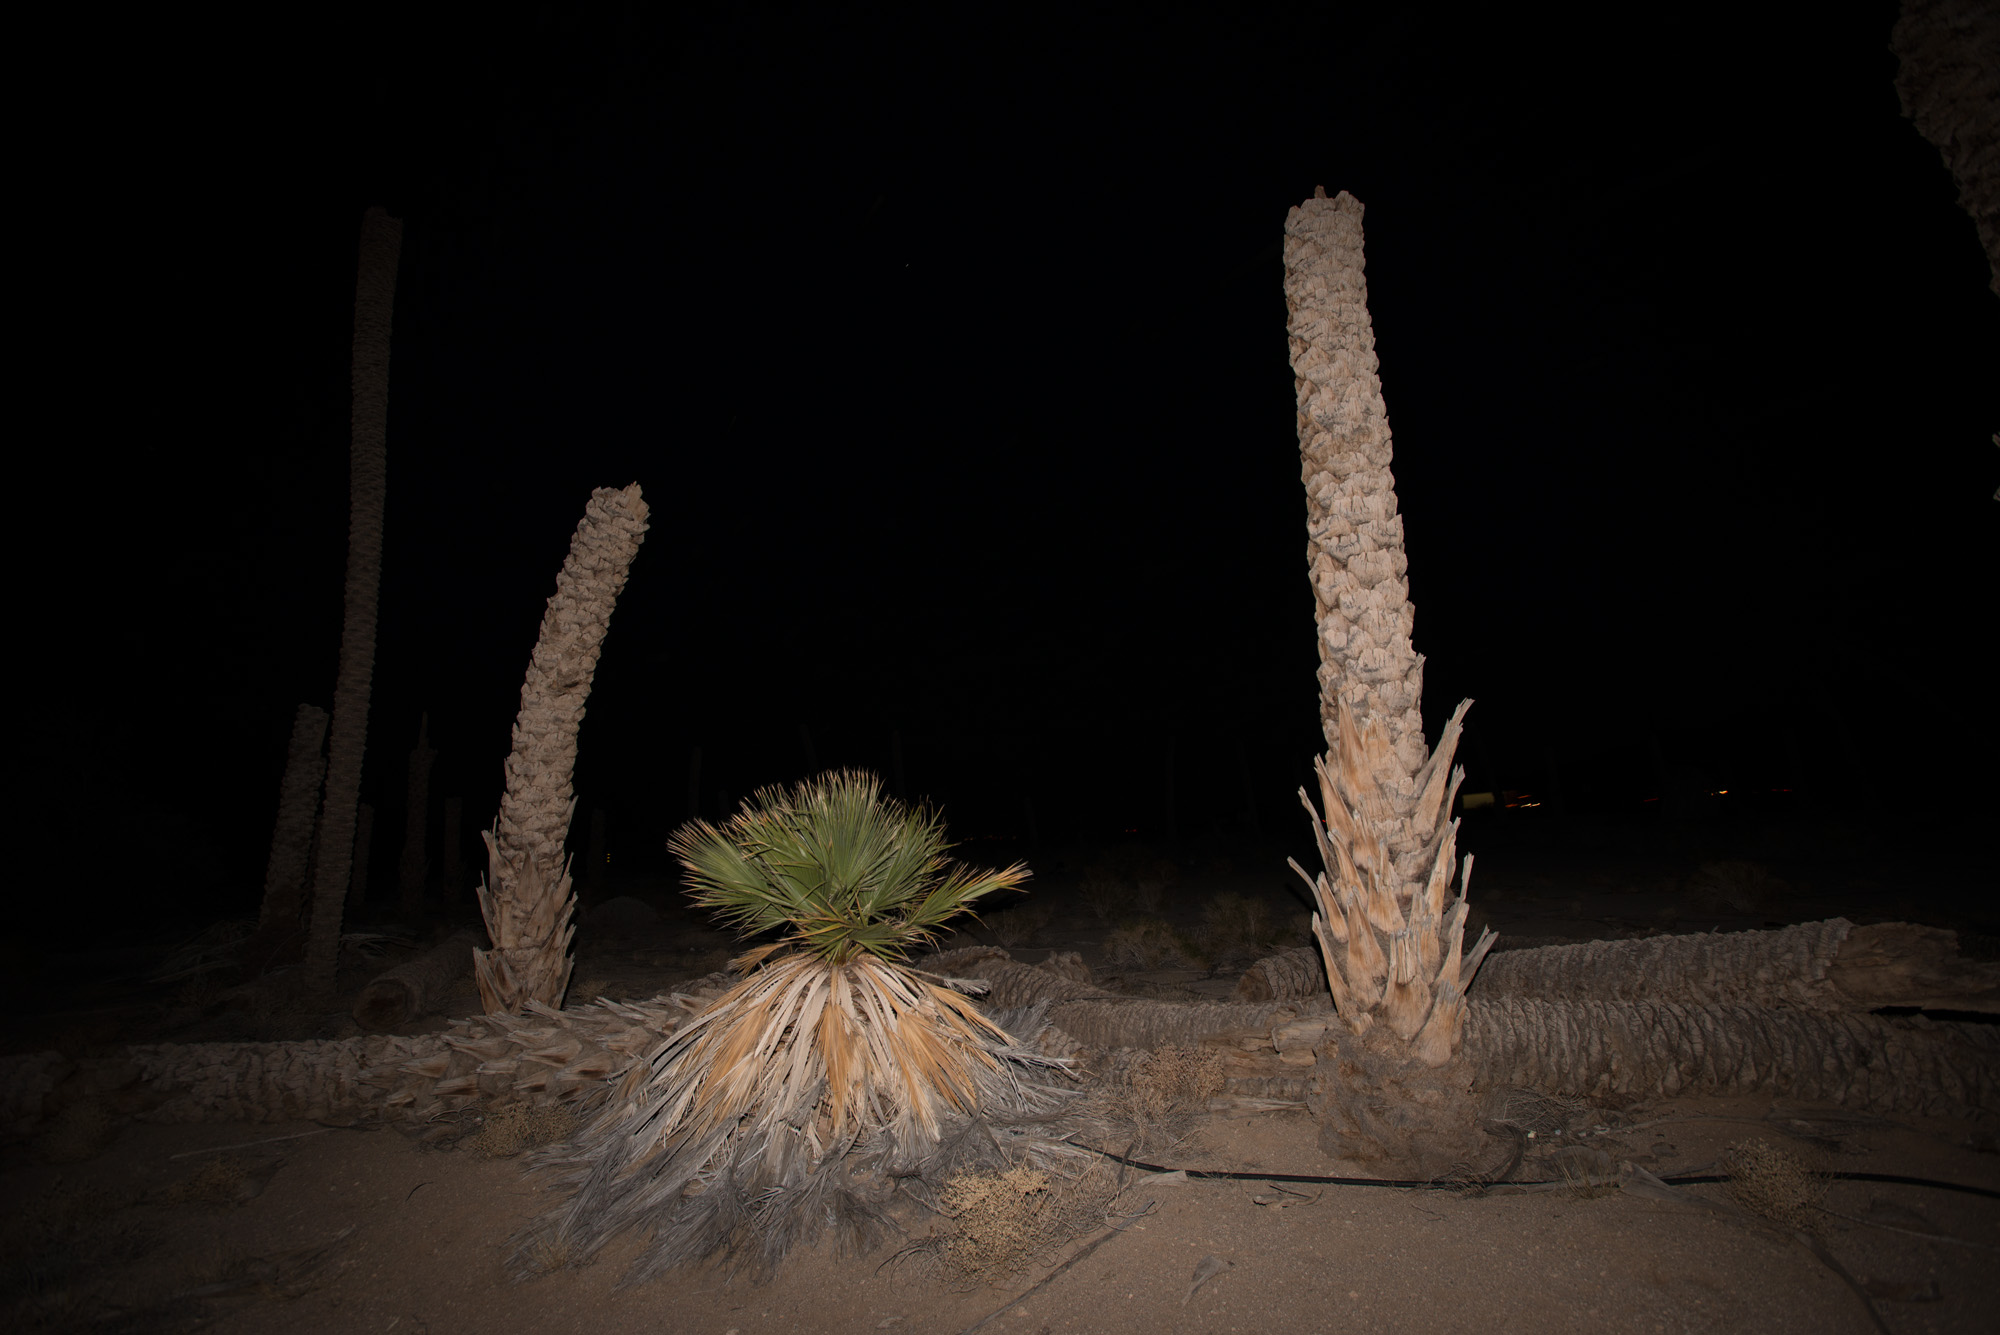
1621, 1050
368, 480
1830, 966
1392, 946
1379, 1101
1290, 975
1948, 78
526, 896
415, 987
291, 838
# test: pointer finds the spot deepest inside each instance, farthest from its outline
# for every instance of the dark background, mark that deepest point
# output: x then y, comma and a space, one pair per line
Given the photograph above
950, 354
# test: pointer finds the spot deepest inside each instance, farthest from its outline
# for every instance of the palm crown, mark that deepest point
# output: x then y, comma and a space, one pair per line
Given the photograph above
849, 871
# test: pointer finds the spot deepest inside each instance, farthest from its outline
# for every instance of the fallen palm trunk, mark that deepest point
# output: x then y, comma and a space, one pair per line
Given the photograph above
415, 987
1827, 966
1589, 1049
544, 1057
1593, 1049
1619, 1050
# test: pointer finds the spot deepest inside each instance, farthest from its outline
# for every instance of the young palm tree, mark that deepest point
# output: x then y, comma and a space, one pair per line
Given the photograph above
797, 1097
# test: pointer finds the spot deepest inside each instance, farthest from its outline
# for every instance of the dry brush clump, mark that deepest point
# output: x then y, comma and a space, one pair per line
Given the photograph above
1019, 924
1004, 1221
1151, 943
1776, 1183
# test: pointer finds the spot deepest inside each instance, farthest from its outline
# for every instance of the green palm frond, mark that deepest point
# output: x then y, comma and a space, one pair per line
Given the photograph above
849, 871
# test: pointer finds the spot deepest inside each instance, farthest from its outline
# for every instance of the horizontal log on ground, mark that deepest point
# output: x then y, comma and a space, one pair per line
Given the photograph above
1622, 1049
1829, 966
416, 987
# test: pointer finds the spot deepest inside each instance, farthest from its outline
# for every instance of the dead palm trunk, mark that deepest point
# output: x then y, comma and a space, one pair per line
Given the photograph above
1947, 56
526, 896
291, 840
368, 475
1392, 945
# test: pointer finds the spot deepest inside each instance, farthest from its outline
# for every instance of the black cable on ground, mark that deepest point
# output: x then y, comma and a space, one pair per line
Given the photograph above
1679, 1180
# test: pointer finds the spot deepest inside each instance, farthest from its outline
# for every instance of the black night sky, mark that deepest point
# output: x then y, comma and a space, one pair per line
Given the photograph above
951, 356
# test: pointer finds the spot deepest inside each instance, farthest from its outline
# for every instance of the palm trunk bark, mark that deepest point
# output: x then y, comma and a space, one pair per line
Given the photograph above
368, 476
1947, 56
1615, 1051
412, 989
291, 841
526, 896
1392, 947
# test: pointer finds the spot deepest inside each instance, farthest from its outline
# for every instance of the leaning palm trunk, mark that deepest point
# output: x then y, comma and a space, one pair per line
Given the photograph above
291, 841
368, 481
1947, 52
526, 896
1393, 946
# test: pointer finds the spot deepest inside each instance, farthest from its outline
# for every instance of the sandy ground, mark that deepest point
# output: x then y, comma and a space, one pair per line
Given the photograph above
238, 1228
352, 1230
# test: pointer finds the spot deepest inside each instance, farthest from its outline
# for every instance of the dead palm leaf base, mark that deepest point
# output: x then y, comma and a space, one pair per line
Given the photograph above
796, 1104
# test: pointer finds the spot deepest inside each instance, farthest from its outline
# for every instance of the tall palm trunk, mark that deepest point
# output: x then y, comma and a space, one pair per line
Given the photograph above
1947, 63
291, 839
1391, 943
526, 896
368, 478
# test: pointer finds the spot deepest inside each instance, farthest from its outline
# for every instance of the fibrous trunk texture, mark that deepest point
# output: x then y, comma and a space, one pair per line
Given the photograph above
1617, 1050
414, 988
1948, 78
1378, 1101
291, 838
414, 869
525, 895
572, 1057
1829, 966
1393, 949
368, 477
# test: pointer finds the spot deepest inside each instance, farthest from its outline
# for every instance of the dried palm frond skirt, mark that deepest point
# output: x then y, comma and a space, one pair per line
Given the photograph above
796, 1104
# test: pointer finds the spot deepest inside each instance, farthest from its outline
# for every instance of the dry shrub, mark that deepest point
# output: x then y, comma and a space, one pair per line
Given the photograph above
1019, 925
1734, 887
1775, 1183
1149, 943
1147, 891
1146, 1100
1105, 894
217, 1182
1003, 1222
1176, 1080
522, 1126
1233, 922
